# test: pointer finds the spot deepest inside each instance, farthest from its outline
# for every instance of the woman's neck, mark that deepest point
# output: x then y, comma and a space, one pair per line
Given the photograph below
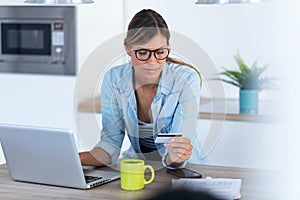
145, 83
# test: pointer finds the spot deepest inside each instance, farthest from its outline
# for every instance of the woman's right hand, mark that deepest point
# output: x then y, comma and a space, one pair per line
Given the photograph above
95, 157
179, 151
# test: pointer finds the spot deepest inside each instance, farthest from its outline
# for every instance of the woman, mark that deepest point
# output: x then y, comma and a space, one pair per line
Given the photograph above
151, 94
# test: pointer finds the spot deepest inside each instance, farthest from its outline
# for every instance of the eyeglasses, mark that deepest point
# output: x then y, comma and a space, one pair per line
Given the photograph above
145, 54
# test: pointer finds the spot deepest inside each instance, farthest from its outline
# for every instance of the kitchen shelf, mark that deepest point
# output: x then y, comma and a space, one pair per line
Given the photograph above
215, 109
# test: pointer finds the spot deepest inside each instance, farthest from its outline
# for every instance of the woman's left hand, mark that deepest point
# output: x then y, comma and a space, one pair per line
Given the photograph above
179, 150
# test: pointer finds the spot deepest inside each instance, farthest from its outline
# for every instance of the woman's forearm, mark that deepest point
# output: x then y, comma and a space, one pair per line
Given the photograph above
95, 157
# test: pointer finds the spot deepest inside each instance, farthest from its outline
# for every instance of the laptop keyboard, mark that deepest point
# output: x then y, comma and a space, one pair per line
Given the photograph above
90, 179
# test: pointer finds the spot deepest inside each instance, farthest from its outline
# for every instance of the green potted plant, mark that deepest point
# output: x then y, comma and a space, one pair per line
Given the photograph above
250, 81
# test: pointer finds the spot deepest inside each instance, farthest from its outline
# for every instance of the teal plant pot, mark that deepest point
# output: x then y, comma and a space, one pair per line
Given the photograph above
249, 102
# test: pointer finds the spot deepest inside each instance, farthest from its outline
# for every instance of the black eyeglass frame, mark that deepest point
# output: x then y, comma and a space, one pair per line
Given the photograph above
154, 51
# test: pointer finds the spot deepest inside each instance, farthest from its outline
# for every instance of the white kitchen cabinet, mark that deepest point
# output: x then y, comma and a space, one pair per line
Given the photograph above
2, 160
89, 131
248, 144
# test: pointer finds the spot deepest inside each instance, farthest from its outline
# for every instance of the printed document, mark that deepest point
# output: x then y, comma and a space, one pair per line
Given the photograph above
223, 188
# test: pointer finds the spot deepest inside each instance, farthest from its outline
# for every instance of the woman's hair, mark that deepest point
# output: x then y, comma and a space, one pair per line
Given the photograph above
145, 25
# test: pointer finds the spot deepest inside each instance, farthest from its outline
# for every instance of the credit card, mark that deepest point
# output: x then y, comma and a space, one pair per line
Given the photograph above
166, 137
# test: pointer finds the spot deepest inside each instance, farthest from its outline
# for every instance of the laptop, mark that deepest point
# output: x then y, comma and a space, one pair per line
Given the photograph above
48, 156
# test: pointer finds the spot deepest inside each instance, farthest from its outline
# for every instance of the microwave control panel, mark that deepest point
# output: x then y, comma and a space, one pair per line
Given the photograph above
58, 40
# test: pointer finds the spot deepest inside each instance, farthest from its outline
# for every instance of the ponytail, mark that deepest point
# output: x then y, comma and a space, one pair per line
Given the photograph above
179, 62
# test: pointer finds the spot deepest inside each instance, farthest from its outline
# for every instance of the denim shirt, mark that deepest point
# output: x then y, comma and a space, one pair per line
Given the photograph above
174, 109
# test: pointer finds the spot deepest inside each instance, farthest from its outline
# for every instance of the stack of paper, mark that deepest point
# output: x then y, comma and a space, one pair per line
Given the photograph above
220, 187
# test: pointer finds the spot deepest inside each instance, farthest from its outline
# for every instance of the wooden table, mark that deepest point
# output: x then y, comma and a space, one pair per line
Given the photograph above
256, 185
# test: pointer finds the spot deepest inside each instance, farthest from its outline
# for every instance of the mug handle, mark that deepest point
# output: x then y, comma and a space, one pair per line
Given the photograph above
152, 174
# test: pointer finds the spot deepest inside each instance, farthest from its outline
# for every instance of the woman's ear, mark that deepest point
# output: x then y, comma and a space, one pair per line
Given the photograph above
128, 51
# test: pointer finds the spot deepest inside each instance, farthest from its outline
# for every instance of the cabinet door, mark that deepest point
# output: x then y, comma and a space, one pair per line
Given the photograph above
2, 159
89, 131
247, 144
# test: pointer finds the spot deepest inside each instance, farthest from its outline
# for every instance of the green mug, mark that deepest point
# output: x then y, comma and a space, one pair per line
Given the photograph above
133, 174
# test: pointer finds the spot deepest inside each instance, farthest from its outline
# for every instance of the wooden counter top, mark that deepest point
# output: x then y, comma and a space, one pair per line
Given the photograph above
216, 109
256, 184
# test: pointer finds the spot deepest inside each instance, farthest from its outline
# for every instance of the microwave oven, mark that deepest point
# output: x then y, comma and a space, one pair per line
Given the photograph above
38, 39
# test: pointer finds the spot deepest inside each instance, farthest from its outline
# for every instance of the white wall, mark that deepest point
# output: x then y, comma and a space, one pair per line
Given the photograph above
292, 99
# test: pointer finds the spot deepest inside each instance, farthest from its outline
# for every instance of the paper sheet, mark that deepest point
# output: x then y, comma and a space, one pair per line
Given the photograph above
220, 187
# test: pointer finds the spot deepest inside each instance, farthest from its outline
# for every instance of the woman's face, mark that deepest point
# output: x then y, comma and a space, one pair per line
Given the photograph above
148, 71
